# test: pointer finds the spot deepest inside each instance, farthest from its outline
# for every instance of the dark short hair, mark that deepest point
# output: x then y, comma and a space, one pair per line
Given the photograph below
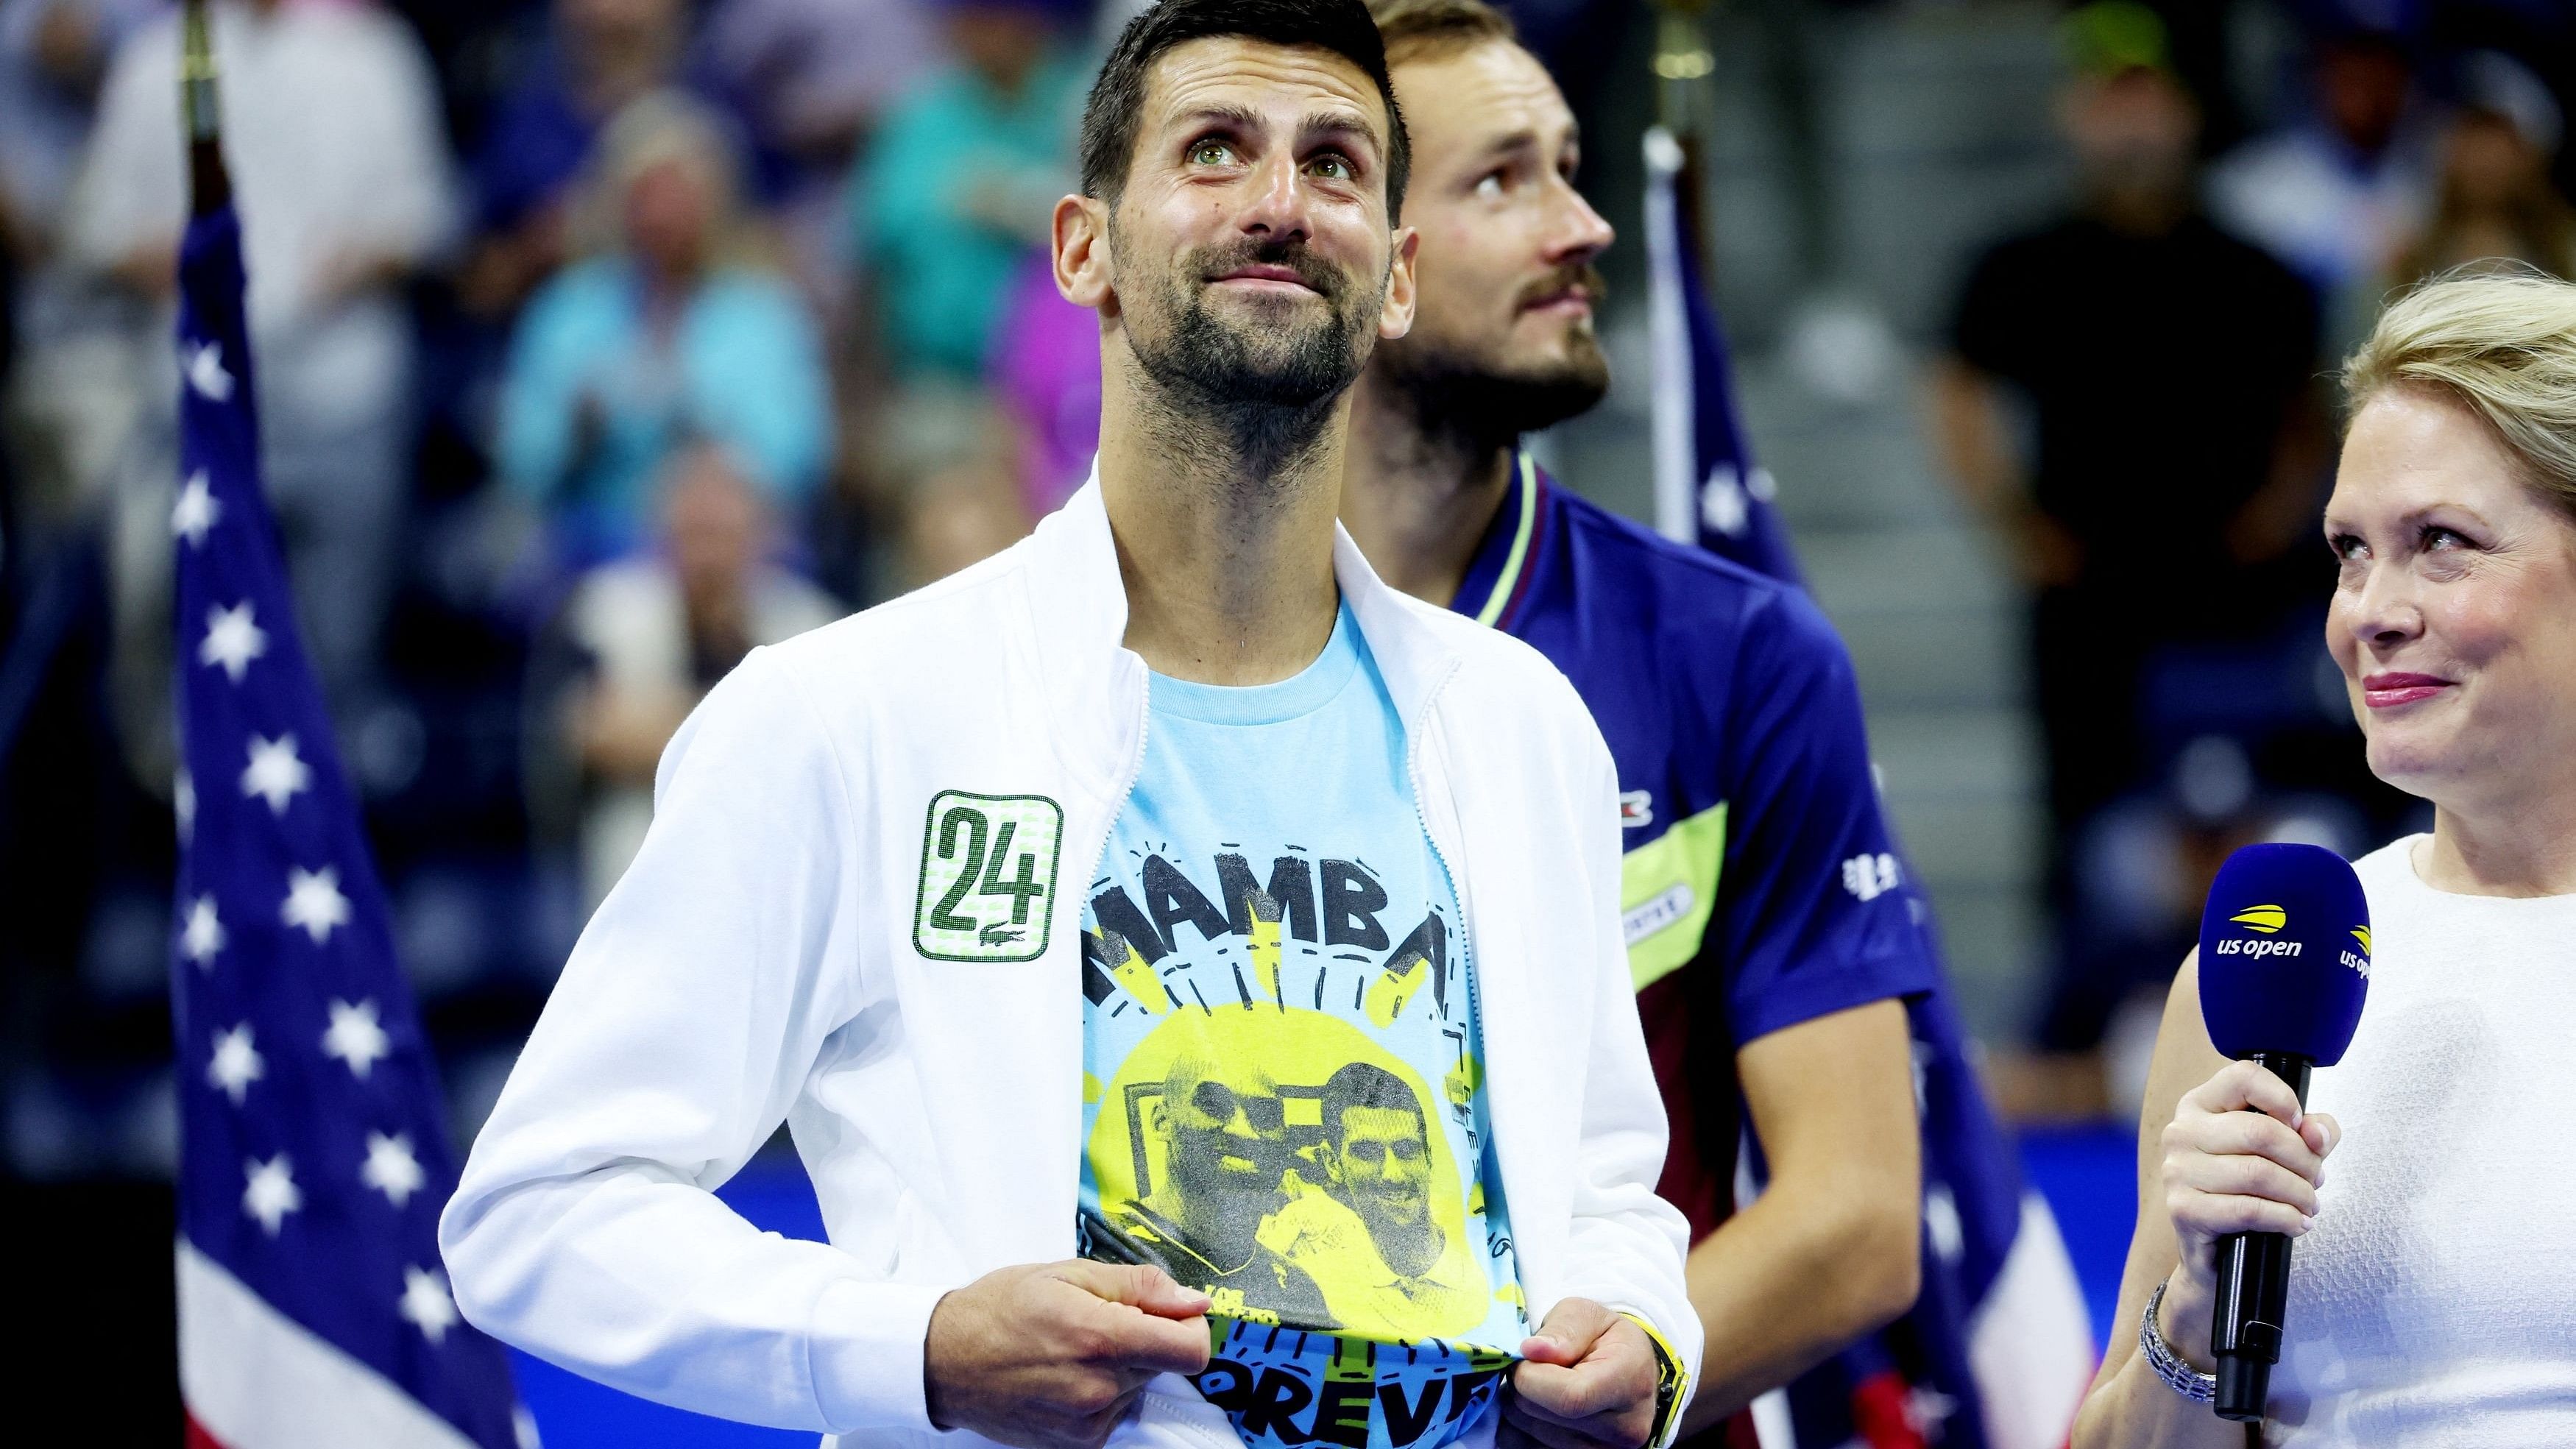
1434, 29
1365, 1084
1117, 101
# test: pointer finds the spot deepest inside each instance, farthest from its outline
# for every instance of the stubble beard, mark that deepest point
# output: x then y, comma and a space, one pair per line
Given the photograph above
1250, 401
1473, 402
1477, 399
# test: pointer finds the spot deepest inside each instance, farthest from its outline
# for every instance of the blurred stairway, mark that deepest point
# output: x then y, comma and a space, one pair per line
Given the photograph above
1932, 622
1936, 134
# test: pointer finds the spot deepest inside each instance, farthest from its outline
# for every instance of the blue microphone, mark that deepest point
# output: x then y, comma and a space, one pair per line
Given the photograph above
2284, 965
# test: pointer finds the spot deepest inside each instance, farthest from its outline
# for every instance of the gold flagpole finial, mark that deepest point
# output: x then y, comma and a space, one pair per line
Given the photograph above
209, 188
1682, 57
1683, 63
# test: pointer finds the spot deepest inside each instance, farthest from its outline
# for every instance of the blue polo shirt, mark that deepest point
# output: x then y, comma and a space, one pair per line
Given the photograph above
1762, 887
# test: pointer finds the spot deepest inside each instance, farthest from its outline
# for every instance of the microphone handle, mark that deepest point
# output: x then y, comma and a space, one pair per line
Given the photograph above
2253, 1291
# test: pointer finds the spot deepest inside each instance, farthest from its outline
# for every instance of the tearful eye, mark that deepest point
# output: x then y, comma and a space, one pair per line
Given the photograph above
1491, 187
1211, 153
1333, 168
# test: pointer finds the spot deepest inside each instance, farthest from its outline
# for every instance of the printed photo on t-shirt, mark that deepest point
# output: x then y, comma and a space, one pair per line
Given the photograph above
1289, 1121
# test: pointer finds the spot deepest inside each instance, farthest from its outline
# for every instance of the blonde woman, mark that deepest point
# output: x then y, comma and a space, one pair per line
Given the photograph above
2433, 1281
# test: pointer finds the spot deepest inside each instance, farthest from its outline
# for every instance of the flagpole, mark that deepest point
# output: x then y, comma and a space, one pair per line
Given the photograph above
210, 188
1682, 63
312, 1305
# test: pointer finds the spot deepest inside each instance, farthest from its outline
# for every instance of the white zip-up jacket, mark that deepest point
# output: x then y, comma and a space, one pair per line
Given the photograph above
760, 961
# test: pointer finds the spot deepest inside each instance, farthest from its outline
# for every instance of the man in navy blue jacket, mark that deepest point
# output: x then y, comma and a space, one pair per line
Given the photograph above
1786, 969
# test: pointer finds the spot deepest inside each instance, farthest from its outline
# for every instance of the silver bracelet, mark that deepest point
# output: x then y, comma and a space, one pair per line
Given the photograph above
2179, 1376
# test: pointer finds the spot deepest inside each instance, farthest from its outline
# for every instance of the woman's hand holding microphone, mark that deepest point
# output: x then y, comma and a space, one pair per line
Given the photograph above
2240, 1157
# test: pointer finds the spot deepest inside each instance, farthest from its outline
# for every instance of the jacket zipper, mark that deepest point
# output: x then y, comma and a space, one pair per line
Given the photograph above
1422, 818
1109, 832
1135, 772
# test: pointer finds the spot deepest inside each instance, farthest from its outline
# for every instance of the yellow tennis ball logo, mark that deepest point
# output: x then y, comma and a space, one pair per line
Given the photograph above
2264, 919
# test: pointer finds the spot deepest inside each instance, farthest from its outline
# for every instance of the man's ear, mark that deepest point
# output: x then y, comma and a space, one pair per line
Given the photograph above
1082, 270
1395, 314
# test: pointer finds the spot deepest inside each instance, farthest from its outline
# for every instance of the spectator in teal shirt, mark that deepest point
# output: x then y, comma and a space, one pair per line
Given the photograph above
960, 183
665, 340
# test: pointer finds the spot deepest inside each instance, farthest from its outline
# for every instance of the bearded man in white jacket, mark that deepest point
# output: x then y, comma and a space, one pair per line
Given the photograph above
1189, 969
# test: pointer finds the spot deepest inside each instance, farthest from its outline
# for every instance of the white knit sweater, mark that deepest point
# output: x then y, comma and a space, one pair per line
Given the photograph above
2434, 1303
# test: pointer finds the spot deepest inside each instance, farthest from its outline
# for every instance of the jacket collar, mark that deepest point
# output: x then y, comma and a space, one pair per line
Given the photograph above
1496, 587
1078, 607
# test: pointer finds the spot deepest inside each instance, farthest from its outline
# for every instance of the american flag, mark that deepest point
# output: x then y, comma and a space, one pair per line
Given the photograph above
312, 1307
1996, 1351
1708, 489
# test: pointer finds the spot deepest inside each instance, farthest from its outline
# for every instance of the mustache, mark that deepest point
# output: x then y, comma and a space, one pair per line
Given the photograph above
1327, 280
1563, 279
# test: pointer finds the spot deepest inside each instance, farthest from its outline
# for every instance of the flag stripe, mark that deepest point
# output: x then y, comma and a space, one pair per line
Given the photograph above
1996, 1352
1708, 489
1668, 323
255, 1379
2031, 1339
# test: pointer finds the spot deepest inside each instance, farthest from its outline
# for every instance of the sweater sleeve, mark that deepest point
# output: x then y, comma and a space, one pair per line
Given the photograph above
414, 215
132, 189
585, 1229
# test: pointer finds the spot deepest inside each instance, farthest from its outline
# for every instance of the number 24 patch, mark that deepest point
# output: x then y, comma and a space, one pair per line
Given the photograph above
988, 867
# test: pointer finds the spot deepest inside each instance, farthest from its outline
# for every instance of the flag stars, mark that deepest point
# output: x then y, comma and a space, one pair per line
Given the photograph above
276, 772
204, 365
314, 901
203, 934
1927, 1409
196, 511
183, 804
233, 639
235, 1065
1723, 503
271, 1193
355, 1036
391, 1169
425, 1302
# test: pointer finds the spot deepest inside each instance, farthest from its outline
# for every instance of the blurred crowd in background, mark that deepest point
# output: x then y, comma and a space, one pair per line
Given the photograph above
601, 341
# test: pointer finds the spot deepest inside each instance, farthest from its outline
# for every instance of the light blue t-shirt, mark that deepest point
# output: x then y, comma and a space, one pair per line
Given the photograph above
1283, 1094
